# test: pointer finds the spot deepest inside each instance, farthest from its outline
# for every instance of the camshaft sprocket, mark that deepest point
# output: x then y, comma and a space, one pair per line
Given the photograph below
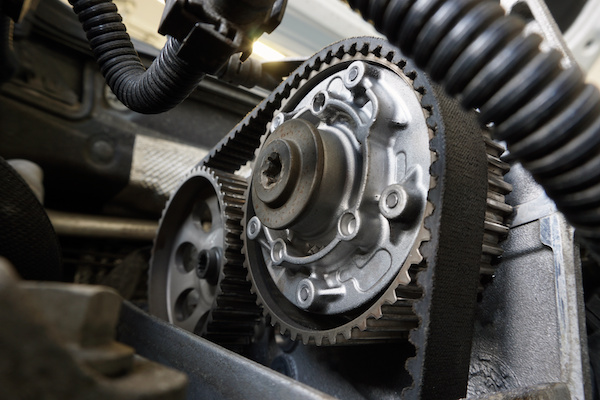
466, 209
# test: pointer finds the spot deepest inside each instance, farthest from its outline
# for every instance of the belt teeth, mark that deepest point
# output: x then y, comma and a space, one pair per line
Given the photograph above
234, 314
387, 321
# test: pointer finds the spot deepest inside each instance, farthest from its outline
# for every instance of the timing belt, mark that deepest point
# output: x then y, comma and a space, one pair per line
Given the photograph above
446, 311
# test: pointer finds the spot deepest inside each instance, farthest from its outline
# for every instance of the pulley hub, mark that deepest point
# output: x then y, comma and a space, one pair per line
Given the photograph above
339, 188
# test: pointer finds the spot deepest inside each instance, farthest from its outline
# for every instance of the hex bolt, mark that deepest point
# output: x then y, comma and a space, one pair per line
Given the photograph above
391, 200
312, 294
254, 228
399, 203
277, 121
278, 251
354, 74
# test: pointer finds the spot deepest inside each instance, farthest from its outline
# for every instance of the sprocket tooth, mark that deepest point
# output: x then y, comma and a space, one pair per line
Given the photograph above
359, 330
230, 292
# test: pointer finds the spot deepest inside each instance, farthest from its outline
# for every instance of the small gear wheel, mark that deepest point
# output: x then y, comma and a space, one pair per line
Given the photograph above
197, 280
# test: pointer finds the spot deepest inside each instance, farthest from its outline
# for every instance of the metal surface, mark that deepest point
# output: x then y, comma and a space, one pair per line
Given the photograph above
530, 327
557, 234
213, 372
443, 336
157, 166
301, 234
197, 280
313, 231
60, 345
94, 226
353, 132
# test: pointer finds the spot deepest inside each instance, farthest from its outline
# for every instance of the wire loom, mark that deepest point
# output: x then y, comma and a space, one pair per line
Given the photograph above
166, 83
548, 116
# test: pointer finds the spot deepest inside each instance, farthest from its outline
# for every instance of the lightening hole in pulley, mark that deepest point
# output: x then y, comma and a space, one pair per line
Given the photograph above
202, 216
186, 304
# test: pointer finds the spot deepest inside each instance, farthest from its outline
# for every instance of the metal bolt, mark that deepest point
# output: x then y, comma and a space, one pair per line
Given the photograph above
392, 200
102, 150
353, 74
254, 227
278, 251
304, 293
400, 203
313, 294
277, 121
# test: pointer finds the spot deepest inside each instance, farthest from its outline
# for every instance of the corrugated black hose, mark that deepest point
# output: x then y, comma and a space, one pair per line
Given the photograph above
166, 83
548, 116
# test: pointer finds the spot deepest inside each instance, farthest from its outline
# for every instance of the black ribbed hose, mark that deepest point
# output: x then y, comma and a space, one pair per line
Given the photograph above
166, 83
548, 116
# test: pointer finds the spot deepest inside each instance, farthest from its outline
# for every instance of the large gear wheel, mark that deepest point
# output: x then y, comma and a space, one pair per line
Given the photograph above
306, 266
197, 280
297, 253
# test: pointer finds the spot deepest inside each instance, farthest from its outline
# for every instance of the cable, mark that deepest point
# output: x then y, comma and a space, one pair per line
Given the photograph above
166, 83
547, 115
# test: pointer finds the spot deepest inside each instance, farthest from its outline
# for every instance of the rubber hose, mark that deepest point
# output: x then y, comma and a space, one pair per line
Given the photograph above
548, 116
166, 83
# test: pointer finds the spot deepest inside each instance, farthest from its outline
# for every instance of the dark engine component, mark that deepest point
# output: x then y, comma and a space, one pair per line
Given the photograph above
547, 115
177, 70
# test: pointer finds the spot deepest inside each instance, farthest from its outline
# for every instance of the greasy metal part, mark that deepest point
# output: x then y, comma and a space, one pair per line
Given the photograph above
196, 278
531, 322
213, 372
69, 224
158, 164
85, 318
57, 342
546, 391
557, 234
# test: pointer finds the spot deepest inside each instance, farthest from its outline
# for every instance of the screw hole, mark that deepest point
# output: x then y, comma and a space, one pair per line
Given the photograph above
318, 102
202, 216
348, 225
